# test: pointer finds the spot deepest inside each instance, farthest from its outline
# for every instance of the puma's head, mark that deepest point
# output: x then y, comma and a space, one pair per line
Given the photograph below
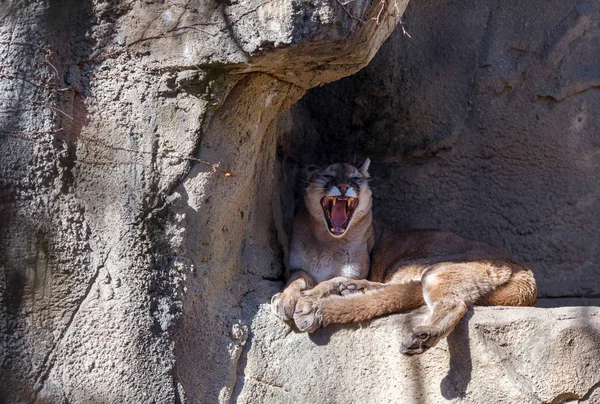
339, 196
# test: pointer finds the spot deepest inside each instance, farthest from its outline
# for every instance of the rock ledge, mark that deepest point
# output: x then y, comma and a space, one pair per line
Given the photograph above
496, 355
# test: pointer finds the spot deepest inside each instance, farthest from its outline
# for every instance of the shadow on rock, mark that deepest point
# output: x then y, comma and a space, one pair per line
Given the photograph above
321, 336
455, 384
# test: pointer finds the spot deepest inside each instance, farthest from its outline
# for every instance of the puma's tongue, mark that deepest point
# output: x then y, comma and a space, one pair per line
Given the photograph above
338, 214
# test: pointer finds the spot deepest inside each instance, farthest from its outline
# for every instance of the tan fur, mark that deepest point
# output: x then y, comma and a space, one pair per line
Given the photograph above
372, 270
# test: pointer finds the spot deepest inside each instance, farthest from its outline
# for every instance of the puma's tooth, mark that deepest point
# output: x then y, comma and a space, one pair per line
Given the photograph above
334, 200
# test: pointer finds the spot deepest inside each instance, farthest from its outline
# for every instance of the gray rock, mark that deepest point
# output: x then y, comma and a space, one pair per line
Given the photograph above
137, 205
148, 183
484, 122
495, 355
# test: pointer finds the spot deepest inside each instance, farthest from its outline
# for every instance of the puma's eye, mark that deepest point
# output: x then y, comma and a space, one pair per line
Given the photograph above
327, 177
357, 180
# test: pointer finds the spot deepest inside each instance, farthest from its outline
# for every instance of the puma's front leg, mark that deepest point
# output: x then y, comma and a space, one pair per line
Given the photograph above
283, 304
340, 285
378, 299
307, 315
326, 288
359, 285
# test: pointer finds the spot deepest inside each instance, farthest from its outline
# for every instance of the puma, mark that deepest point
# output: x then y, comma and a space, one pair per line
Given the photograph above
345, 267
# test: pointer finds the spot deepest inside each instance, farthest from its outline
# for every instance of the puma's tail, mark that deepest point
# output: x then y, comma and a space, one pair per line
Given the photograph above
520, 290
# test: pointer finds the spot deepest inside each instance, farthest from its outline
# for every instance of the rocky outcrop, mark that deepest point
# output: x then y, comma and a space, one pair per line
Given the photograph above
148, 183
137, 204
484, 122
495, 355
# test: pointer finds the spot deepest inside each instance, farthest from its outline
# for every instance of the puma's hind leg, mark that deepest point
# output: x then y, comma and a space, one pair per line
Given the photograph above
520, 290
445, 316
449, 290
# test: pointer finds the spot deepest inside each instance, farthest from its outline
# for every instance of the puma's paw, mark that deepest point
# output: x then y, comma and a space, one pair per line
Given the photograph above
418, 341
308, 315
353, 286
323, 290
283, 304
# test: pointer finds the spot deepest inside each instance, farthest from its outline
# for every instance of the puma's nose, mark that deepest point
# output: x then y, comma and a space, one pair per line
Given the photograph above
343, 188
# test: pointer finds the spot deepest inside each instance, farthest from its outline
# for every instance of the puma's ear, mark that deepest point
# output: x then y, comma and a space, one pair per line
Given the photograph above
312, 172
364, 168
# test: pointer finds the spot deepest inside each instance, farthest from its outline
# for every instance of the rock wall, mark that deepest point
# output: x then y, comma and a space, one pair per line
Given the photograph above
147, 186
486, 122
137, 200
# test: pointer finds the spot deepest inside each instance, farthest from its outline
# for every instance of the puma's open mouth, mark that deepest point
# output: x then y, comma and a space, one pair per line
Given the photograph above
338, 212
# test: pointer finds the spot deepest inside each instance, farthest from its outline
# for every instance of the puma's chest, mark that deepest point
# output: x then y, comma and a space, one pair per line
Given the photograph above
324, 262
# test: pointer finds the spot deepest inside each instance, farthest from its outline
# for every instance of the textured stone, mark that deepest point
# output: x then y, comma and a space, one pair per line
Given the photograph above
132, 263
137, 198
495, 355
484, 122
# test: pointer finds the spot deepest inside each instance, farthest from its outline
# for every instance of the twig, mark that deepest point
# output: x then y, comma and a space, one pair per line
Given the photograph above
98, 162
343, 5
32, 132
176, 29
59, 111
47, 60
36, 105
383, 4
244, 14
25, 135
33, 83
193, 26
21, 134
10, 110
214, 167
404, 32
378, 16
41, 48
